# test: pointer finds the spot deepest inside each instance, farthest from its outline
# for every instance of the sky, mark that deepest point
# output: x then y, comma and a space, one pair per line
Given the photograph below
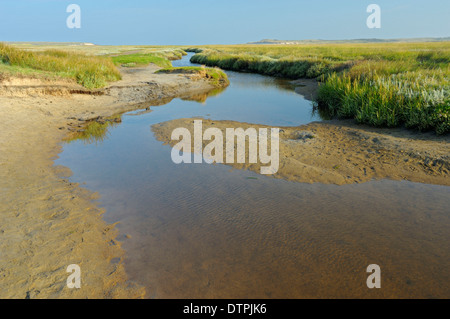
196, 22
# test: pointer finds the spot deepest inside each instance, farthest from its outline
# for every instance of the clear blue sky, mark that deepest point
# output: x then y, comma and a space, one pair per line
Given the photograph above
219, 22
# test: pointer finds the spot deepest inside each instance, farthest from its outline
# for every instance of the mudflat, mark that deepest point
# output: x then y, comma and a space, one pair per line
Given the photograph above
47, 222
341, 152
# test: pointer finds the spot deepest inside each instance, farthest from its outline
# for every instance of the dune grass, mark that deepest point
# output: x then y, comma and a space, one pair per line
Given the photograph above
92, 71
384, 84
89, 71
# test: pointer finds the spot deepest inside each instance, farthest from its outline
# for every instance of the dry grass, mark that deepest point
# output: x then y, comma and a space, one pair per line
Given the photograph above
89, 71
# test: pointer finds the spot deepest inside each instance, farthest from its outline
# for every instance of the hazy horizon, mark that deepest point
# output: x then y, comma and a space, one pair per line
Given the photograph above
433, 39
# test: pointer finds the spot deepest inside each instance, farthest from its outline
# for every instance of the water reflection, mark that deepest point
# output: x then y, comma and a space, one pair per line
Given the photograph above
95, 131
205, 231
203, 96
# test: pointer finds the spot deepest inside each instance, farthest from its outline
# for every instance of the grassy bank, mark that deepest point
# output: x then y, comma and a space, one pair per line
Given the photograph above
216, 76
283, 66
80, 63
161, 57
377, 84
89, 71
419, 100
164, 57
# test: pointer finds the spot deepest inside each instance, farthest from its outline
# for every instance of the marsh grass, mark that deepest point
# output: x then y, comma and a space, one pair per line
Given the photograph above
388, 84
138, 59
161, 58
283, 67
413, 99
89, 71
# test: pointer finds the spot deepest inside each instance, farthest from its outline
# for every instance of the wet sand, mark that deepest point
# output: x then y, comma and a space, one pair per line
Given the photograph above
47, 222
341, 152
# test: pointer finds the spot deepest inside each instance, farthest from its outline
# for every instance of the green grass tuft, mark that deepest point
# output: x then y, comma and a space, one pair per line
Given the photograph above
138, 59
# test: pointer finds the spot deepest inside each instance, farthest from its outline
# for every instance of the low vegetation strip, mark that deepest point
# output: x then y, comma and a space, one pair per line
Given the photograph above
283, 67
160, 57
95, 71
215, 76
89, 71
377, 84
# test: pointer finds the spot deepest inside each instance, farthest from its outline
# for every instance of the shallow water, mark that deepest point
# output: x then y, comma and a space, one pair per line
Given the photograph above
207, 231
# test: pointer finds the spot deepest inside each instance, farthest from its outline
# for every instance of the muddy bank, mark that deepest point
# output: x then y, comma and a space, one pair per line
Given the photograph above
46, 222
341, 152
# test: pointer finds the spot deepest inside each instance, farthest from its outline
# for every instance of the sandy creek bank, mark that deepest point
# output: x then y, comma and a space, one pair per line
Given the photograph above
340, 152
47, 222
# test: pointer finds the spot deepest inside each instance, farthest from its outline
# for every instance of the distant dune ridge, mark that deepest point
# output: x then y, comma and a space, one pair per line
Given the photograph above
50, 43
314, 41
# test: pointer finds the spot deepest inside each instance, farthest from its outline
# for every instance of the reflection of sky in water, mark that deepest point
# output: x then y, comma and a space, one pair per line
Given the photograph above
204, 231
